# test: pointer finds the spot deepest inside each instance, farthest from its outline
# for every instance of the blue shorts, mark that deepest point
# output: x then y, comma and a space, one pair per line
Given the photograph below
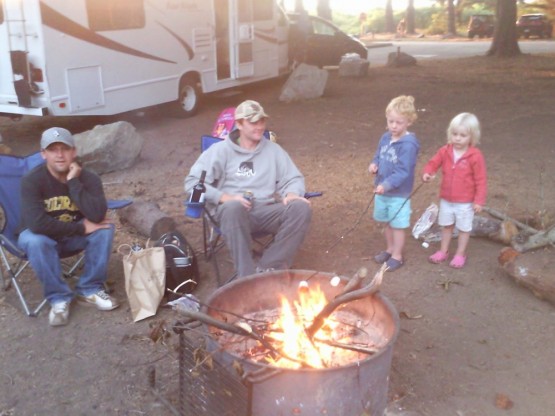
394, 210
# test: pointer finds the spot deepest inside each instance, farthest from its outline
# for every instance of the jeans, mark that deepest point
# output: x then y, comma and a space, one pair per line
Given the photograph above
44, 255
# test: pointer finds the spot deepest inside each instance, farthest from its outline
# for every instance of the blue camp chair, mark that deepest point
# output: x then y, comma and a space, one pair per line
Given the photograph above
212, 235
14, 260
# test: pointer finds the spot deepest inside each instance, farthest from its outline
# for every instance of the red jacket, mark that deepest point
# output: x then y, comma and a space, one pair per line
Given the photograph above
463, 181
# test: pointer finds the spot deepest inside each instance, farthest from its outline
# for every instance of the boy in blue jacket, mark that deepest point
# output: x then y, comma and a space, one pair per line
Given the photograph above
394, 164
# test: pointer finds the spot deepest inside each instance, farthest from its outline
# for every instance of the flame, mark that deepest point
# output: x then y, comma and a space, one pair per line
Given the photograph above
290, 337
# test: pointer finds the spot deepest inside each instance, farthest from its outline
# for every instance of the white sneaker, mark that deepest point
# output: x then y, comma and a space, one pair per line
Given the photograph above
59, 314
100, 299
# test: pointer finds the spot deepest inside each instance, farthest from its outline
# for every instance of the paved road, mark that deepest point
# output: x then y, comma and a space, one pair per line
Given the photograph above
421, 50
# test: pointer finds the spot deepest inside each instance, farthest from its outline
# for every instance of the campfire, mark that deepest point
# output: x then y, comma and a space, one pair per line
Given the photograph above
300, 342
343, 337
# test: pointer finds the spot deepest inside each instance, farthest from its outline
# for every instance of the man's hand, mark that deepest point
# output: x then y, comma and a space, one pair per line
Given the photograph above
373, 168
291, 197
74, 171
91, 227
228, 197
379, 190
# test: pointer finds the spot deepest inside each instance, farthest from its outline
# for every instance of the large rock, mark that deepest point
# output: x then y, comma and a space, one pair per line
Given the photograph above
353, 66
109, 147
305, 82
400, 59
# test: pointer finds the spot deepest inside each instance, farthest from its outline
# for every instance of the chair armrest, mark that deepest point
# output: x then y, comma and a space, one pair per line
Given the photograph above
309, 195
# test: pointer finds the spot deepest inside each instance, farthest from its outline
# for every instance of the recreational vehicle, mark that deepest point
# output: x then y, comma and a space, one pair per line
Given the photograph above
103, 57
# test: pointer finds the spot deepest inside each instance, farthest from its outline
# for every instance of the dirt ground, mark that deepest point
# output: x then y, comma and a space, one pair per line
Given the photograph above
471, 343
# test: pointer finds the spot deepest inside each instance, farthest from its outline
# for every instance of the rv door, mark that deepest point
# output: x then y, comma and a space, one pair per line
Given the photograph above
242, 33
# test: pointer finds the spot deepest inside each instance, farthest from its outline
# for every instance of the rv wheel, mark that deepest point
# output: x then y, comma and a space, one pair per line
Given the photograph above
189, 97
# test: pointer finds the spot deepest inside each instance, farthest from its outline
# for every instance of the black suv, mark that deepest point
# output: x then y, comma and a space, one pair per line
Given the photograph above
534, 25
480, 25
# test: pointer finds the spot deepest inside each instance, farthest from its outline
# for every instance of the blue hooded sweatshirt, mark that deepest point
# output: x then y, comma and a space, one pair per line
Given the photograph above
396, 163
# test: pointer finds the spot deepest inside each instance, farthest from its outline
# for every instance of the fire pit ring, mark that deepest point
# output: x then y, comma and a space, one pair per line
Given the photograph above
348, 390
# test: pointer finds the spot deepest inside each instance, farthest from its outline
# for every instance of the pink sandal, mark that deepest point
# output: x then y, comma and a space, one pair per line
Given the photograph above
438, 257
458, 262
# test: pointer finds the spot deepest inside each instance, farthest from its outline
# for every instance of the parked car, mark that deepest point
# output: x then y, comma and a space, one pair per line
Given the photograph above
317, 41
536, 24
480, 25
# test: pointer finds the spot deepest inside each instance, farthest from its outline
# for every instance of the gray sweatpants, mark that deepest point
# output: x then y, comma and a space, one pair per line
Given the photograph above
288, 223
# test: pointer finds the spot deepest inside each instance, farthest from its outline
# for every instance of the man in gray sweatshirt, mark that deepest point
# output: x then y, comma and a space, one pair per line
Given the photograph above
253, 186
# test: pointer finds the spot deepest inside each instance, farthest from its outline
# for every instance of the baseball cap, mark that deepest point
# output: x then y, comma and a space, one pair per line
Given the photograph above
250, 110
56, 135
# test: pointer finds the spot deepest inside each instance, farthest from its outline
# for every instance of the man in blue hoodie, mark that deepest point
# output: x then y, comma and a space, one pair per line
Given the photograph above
253, 186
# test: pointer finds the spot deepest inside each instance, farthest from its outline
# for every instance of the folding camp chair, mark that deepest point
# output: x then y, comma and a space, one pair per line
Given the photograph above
212, 235
12, 169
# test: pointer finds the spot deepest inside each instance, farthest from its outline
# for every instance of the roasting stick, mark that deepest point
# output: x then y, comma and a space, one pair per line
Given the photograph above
365, 350
241, 328
345, 297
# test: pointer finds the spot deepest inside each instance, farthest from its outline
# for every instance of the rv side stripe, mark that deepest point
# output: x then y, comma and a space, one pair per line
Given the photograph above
61, 23
262, 36
185, 45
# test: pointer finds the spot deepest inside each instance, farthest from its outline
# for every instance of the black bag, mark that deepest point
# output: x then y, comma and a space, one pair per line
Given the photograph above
182, 273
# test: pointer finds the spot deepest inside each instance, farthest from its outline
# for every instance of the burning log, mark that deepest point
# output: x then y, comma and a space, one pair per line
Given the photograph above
348, 295
532, 270
239, 328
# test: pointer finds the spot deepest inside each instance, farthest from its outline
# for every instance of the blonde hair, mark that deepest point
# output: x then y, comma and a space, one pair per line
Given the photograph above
404, 105
467, 121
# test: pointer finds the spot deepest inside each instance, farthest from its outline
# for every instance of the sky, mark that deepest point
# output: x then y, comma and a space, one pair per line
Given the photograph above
354, 7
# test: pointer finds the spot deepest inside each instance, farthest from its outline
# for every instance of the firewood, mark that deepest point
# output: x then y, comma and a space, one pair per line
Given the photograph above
498, 214
147, 218
540, 239
532, 270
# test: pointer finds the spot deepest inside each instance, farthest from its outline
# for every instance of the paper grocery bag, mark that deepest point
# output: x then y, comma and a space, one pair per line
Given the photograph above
145, 280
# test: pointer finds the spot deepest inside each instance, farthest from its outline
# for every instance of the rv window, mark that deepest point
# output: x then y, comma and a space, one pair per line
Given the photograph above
263, 9
115, 14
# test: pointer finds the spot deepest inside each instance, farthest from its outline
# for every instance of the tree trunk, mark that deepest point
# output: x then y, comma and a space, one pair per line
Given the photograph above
531, 270
147, 218
324, 10
389, 22
505, 39
411, 18
451, 27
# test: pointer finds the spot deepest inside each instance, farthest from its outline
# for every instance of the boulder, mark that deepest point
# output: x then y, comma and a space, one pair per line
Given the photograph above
353, 66
110, 147
399, 59
305, 82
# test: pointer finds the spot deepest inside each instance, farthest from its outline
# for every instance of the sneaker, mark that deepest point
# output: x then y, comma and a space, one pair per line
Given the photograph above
100, 299
261, 270
59, 313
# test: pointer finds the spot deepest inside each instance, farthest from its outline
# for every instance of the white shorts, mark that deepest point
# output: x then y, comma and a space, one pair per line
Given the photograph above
460, 214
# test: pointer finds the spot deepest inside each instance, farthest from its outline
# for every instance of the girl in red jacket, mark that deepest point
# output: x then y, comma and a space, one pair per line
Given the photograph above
463, 185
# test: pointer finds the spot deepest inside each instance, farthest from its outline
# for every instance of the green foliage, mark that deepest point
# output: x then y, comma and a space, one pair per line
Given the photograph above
347, 23
433, 20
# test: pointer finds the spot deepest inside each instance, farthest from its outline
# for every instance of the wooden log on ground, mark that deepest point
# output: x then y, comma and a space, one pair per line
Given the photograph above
494, 229
147, 218
533, 270
498, 214
540, 239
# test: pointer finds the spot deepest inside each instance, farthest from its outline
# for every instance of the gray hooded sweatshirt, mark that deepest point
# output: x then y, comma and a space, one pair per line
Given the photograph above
268, 172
